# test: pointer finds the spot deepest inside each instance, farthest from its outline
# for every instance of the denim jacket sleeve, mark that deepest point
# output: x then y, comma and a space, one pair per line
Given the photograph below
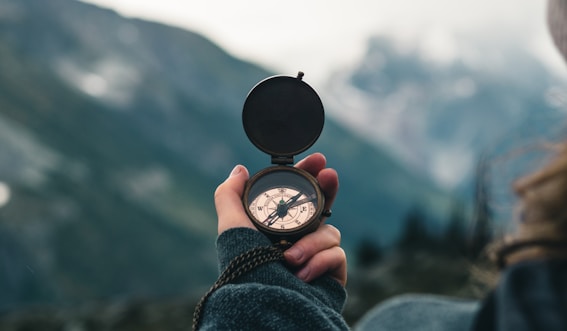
270, 297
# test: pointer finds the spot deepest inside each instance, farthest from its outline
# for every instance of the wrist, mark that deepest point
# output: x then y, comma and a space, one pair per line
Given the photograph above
235, 241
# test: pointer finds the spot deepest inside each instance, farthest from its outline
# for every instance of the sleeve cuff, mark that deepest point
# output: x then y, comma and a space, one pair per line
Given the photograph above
236, 241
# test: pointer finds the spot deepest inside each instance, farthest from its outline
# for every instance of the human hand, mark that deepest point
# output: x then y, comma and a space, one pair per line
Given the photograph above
317, 253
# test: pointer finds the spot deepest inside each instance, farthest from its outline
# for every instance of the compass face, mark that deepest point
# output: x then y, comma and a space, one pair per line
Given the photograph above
284, 200
283, 208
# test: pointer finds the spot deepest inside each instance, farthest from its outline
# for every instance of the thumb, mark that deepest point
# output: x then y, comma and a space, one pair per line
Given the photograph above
228, 201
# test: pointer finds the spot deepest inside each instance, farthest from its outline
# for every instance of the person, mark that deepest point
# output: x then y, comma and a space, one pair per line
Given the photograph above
272, 296
530, 295
532, 290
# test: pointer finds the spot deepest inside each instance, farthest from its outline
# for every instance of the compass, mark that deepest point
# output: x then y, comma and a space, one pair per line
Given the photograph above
283, 116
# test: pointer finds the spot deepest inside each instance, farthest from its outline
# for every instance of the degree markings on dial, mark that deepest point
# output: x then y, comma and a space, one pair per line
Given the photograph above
280, 207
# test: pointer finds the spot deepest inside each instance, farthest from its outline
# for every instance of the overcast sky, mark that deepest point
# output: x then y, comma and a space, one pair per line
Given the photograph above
318, 36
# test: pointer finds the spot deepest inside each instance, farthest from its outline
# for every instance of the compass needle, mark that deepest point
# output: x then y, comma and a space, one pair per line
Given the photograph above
302, 201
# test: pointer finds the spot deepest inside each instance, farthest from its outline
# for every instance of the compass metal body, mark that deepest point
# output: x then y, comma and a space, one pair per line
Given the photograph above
283, 116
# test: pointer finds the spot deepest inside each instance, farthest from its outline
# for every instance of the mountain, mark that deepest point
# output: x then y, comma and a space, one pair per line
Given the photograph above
492, 99
114, 133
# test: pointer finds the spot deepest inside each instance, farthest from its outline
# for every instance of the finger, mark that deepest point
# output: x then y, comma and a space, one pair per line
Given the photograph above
228, 203
331, 262
329, 182
312, 163
328, 178
304, 249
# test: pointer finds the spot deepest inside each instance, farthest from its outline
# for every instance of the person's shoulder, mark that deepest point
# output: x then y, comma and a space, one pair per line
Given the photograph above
420, 312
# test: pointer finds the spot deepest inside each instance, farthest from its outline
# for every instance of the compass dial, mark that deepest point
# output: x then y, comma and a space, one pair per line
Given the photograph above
283, 208
284, 202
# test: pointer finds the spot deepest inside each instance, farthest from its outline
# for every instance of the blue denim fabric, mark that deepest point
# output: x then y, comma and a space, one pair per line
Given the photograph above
420, 312
531, 296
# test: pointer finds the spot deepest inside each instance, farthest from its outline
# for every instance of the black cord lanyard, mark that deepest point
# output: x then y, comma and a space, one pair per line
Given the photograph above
240, 265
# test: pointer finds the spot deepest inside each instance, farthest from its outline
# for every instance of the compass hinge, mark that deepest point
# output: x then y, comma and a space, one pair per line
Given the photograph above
282, 160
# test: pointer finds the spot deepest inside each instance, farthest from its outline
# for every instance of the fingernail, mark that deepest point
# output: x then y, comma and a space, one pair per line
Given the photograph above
235, 171
294, 253
303, 274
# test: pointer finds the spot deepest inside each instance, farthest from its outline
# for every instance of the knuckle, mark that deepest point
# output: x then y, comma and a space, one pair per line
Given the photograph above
219, 191
340, 252
334, 233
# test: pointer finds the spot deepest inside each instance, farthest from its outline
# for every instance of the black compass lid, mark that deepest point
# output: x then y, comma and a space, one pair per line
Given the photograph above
283, 116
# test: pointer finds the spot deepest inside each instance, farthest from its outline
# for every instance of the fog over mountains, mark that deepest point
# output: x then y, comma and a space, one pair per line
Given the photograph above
439, 115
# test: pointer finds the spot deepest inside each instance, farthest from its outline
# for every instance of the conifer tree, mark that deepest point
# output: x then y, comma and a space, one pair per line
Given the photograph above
368, 253
454, 237
414, 234
481, 233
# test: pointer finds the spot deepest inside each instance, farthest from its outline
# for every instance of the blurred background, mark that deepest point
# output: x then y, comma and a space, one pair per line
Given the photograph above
119, 119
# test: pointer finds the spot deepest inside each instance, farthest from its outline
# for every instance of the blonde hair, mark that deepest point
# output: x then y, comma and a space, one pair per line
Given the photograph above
543, 200
542, 227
